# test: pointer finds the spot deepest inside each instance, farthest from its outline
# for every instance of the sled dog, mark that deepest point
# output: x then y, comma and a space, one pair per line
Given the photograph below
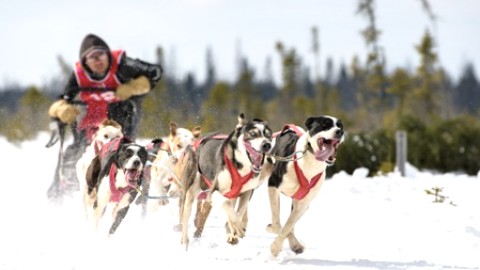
230, 164
300, 178
113, 179
107, 131
164, 182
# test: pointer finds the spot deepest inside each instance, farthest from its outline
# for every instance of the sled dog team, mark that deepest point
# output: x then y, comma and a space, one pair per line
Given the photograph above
114, 171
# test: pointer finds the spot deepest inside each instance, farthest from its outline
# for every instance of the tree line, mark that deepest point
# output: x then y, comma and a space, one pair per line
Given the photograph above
439, 114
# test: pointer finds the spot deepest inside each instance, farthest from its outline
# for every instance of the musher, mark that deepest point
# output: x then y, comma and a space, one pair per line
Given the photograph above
110, 85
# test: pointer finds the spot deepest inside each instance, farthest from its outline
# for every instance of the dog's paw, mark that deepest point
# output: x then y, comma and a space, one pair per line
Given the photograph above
297, 248
295, 245
197, 233
276, 247
232, 239
184, 243
163, 202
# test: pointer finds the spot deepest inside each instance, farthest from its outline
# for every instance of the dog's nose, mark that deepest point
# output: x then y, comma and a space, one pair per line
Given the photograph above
339, 133
266, 146
136, 163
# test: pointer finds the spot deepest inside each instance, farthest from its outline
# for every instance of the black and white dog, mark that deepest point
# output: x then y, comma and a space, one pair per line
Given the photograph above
107, 131
301, 174
230, 164
113, 178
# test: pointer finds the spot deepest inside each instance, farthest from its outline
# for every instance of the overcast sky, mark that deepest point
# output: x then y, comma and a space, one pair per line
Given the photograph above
34, 33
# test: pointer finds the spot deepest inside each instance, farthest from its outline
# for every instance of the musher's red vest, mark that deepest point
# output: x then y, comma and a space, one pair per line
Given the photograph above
98, 94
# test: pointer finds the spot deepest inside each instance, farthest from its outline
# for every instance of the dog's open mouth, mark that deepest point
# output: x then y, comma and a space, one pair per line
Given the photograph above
256, 157
132, 175
327, 150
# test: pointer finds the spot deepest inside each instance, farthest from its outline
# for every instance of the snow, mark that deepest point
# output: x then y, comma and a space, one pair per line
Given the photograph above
384, 222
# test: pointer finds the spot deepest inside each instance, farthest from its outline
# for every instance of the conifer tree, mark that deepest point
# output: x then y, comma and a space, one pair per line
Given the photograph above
373, 93
467, 92
156, 111
215, 113
31, 116
290, 78
245, 94
426, 94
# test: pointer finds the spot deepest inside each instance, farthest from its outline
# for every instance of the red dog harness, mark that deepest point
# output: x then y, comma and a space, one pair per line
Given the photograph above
117, 192
305, 185
238, 181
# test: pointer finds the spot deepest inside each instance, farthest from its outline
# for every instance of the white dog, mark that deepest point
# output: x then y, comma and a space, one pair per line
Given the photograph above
163, 180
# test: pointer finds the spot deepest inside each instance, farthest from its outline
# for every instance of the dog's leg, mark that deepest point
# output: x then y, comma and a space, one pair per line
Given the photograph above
187, 210
118, 216
294, 244
235, 229
181, 204
298, 210
228, 206
88, 201
142, 200
274, 197
242, 217
99, 207
198, 214
203, 210
245, 220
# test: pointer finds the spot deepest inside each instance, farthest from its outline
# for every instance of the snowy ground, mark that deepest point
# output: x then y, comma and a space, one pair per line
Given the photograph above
356, 222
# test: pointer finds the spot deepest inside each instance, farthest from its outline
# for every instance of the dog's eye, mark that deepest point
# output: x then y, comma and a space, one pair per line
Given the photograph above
268, 133
129, 152
252, 133
143, 154
105, 136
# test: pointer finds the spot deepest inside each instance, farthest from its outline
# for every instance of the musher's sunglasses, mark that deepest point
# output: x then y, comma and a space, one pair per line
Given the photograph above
96, 55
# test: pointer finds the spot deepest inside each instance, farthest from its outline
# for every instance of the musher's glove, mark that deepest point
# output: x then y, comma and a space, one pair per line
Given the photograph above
136, 87
66, 112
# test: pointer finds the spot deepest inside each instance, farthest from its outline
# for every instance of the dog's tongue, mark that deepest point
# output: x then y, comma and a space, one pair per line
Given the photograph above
132, 174
257, 161
255, 157
325, 151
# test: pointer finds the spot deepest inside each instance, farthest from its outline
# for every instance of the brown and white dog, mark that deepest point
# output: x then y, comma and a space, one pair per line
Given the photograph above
107, 131
300, 172
230, 164
113, 179
164, 182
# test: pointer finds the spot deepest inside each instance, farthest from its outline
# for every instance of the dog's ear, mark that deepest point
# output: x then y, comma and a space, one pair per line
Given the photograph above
111, 122
93, 172
241, 120
197, 131
311, 122
173, 128
156, 144
143, 154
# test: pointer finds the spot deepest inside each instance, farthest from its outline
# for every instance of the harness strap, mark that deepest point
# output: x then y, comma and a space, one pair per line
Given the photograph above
107, 150
238, 181
117, 193
291, 127
305, 185
198, 142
